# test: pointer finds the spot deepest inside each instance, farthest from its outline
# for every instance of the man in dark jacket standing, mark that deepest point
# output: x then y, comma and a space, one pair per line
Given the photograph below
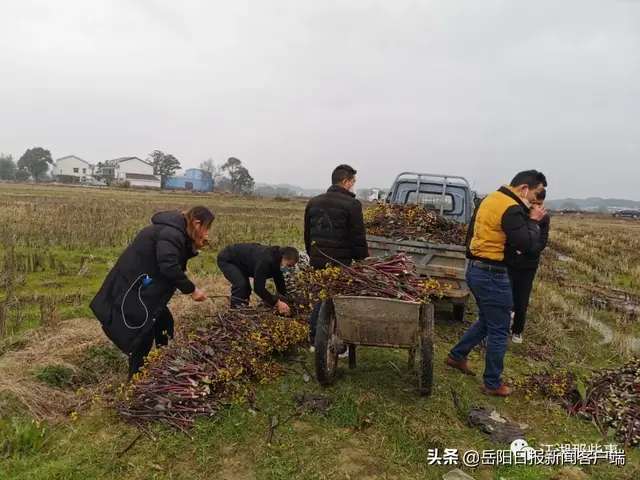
334, 232
132, 302
522, 272
241, 261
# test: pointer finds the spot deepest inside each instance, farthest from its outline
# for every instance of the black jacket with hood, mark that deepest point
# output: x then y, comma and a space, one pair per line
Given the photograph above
159, 251
532, 260
259, 262
334, 227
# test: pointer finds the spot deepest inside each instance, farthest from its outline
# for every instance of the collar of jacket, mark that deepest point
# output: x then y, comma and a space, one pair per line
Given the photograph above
276, 255
509, 191
339, 189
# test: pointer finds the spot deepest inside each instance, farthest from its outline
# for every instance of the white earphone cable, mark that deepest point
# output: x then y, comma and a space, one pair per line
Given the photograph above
146, 312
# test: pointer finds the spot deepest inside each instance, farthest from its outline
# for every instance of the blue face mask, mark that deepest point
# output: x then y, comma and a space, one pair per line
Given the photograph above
285, 268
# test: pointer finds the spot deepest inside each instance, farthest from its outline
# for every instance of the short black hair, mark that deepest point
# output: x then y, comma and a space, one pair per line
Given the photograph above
542, 194
290, 253
532, 178
342, 172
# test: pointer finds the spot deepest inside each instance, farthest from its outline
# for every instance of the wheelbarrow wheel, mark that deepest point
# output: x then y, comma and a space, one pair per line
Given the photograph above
326, 352
425, 372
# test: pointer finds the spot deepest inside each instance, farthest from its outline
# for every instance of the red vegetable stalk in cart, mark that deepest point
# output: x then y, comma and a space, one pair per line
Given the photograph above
394, 276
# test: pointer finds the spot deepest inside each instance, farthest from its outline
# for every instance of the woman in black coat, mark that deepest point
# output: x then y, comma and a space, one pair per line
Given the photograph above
132, 303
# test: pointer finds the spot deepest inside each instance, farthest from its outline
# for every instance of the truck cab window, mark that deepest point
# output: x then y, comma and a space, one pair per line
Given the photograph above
432, 201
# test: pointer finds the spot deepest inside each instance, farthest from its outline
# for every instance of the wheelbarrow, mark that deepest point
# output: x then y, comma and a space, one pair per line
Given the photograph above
376, 322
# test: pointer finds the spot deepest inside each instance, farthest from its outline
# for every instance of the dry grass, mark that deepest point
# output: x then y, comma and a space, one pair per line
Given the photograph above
64, 346
607, 250
622, 344
217, 287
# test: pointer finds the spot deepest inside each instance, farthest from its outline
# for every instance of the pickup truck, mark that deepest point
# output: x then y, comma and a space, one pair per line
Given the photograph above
377, 195
451, 196
627, 213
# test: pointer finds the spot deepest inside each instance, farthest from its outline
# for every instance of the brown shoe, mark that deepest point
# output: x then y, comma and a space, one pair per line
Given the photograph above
502, 391
460, 365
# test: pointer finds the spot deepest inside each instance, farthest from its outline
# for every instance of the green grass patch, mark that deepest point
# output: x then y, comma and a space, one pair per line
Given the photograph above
100, 362
58, 376
20, 437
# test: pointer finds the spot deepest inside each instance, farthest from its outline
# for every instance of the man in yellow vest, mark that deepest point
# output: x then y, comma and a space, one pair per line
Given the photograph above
504, 224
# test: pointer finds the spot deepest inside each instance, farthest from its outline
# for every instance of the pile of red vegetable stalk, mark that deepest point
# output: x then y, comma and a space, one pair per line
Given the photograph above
393, 276
611, 401
413, 222
201, 371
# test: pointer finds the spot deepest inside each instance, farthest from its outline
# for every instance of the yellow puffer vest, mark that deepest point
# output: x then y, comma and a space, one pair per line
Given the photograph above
489, 240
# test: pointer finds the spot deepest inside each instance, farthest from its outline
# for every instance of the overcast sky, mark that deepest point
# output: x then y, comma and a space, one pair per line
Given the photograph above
480, 88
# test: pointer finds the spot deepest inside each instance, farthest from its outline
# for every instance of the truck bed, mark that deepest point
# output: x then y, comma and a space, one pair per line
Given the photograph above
446, 263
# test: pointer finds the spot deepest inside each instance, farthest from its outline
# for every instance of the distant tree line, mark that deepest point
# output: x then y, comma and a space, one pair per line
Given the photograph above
231, 176
34, 163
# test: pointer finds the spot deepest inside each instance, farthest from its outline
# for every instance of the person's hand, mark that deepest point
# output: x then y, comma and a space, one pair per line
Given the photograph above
198, 295
537, 213
283, 307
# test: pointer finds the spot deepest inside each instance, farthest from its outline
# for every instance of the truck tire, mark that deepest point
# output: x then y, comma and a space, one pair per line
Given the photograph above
425, 372
326, 355
458, 312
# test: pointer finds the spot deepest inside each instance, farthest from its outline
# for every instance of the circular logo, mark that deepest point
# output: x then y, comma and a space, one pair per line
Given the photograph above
518, 444
521, 449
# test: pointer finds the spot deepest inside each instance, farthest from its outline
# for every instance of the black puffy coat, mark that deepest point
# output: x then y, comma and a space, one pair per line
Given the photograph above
532, 260
334, 227
259, 262
159, 251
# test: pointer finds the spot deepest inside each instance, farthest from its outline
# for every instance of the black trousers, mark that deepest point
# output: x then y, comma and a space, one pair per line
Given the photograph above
521, 286
161, 332
240, 285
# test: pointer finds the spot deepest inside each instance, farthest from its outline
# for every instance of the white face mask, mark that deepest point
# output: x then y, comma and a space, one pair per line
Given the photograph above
351, 187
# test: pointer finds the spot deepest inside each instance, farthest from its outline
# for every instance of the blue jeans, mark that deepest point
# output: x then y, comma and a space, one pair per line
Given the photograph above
492, 292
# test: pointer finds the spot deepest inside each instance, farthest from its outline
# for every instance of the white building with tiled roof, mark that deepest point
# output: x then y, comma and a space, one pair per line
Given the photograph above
72, 169
137, 172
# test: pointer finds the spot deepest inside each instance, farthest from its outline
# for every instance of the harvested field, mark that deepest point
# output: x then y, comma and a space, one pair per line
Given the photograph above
58, 243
